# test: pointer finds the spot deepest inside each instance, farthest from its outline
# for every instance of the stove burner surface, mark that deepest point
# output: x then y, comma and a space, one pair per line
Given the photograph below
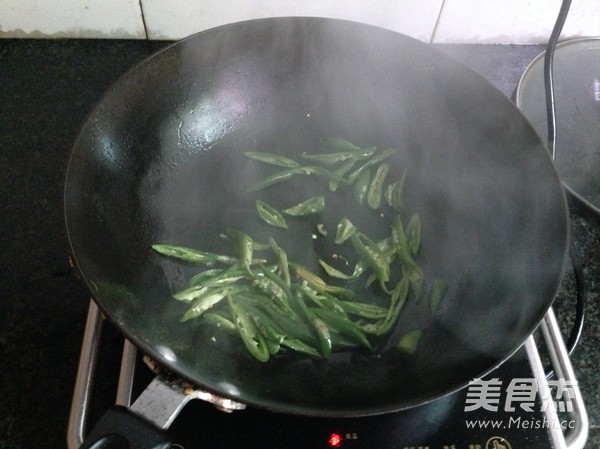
513, 407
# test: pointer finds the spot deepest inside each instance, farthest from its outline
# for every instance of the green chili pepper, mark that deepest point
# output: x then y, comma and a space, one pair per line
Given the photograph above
343, 326
199, 278
344, 230
394, 193
252, 338
271, 330
270, 215
401, 244
438, 291
364, 310
222, 279
376, 159
335, 273
272, 159
361, 187
409, 267
409, 341
273, 179
289, 323
316, 170
220, 321
323, 300
274, 291
413, 234
338, 144
376, 187
319, 284
318, 325
310, 206
397, 301
191, 255
207, 300
416, 278
368, 251
341, 156
282, 260
341, 171
300, 346
244, 245
324, 336
189, 294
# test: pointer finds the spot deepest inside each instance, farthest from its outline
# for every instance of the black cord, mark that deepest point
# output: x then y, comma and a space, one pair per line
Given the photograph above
549, 75
552, 137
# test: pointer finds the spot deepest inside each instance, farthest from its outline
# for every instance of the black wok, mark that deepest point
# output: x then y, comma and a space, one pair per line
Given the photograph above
160, 160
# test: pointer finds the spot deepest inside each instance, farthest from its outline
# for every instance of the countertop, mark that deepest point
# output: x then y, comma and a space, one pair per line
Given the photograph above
46, 89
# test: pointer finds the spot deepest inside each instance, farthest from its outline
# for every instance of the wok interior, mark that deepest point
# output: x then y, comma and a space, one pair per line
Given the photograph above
160, 159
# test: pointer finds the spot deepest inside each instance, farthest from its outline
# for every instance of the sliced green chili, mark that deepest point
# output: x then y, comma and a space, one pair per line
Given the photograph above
270, 215
244, 245
398, 299
207, 300
324, 336
413, 234
394, 193
300, 346
220, 321
199, 278
191, 255
376, 159
409, 341
224, 278
375, 192
338, 144
341, 172
310, 206
364, 310
344, 230
273, 179
335, 273
272, 159
282, 260
189, 294
343, 326
438, 291
401, 244
341, 156
252, 338
368, 251
323, 300
361, 187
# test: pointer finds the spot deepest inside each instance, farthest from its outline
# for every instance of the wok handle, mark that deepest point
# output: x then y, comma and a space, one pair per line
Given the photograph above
121, 429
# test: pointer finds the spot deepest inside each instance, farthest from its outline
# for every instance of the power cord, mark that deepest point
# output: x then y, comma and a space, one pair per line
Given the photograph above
577, 328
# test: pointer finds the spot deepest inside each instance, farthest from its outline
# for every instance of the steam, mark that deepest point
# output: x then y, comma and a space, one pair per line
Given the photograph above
492, 207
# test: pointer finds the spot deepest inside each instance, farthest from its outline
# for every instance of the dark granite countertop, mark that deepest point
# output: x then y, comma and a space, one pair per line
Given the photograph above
46, 89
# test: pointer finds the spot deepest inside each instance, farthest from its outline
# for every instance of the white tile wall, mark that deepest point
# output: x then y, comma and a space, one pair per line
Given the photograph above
514, 21
443, 21
71, 18
179, 18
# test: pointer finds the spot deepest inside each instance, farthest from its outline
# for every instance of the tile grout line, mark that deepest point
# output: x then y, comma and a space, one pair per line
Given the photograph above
437, 22
143, 19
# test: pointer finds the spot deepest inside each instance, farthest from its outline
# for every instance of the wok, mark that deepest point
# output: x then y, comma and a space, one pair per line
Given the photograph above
160, 159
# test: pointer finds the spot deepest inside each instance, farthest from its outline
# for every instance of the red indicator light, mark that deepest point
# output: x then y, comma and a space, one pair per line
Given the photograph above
335, 440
